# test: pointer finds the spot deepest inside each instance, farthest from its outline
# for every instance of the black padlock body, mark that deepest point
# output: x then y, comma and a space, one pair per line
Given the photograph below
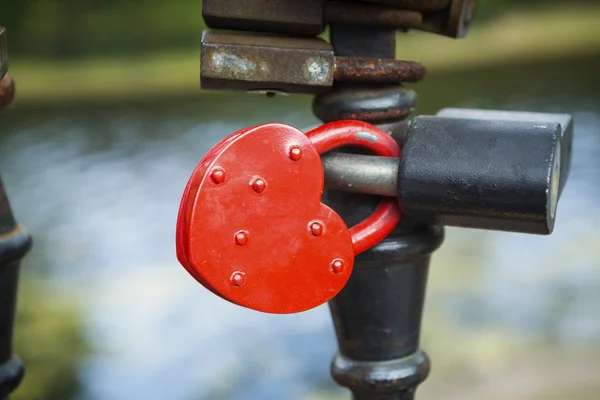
540, 118
485, 174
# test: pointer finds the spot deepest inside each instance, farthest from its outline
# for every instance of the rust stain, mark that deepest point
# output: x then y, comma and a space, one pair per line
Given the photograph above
401, 344
353, 343
14, 232
378, 70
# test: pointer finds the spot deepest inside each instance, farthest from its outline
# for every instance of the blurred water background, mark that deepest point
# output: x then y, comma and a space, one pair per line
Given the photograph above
95, 166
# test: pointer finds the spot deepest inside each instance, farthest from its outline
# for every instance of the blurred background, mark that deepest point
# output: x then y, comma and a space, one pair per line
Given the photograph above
108, 123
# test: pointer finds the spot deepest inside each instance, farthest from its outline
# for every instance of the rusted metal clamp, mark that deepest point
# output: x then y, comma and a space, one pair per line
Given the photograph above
291, 65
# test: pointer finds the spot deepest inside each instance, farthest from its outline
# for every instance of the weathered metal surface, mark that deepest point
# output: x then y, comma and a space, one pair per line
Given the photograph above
375, 105
397, 129
361, 173
378, 70
498, 173
362, 41
394, 376
565, 121
14, 244
418, 5
454, 21
485, 174
377, 315
308, 18
292, 65
11, 375
460, 17
7, 91
265, 63
303, 18
277, 16
358, 13
3, 52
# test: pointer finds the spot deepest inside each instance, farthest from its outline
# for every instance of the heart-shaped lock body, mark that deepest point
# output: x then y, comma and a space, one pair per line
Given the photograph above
252, 228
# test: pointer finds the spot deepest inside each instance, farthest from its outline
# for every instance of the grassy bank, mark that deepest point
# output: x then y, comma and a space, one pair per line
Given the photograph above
513, 39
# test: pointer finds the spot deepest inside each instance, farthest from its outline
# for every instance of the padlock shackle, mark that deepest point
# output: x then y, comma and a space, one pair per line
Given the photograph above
353, 133
376, 226
386, 216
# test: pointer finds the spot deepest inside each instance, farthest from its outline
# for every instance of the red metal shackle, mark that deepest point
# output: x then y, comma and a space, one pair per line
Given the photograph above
360, 134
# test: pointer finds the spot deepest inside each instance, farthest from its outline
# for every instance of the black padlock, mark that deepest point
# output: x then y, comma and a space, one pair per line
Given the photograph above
470, 168
486, 169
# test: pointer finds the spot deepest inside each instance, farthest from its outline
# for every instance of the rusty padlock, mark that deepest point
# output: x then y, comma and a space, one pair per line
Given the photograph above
251, 226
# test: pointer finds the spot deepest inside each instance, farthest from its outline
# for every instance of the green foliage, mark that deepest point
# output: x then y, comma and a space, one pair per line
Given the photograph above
50, 341
83, 27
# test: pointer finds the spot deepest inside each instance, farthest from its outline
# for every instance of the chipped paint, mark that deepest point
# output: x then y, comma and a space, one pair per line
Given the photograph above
366, 136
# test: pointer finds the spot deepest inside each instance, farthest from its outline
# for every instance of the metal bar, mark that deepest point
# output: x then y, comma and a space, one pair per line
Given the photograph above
302, 18
419, 5
347, 12
361, 173
377, 316
285, 64
14, 243
377, 70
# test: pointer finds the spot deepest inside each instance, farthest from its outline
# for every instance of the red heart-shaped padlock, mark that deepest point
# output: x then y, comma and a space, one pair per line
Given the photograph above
252, 229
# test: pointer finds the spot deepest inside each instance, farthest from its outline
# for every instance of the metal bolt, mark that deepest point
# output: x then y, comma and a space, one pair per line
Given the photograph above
217, 175
316, 228
238, 278
241, 238
337, 266
259, 185
295, 153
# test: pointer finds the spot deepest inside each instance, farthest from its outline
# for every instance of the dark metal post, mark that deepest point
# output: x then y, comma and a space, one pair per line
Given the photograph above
377, 316
14, 243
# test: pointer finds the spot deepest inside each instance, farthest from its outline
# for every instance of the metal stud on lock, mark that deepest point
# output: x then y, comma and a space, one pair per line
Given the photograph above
252, 228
